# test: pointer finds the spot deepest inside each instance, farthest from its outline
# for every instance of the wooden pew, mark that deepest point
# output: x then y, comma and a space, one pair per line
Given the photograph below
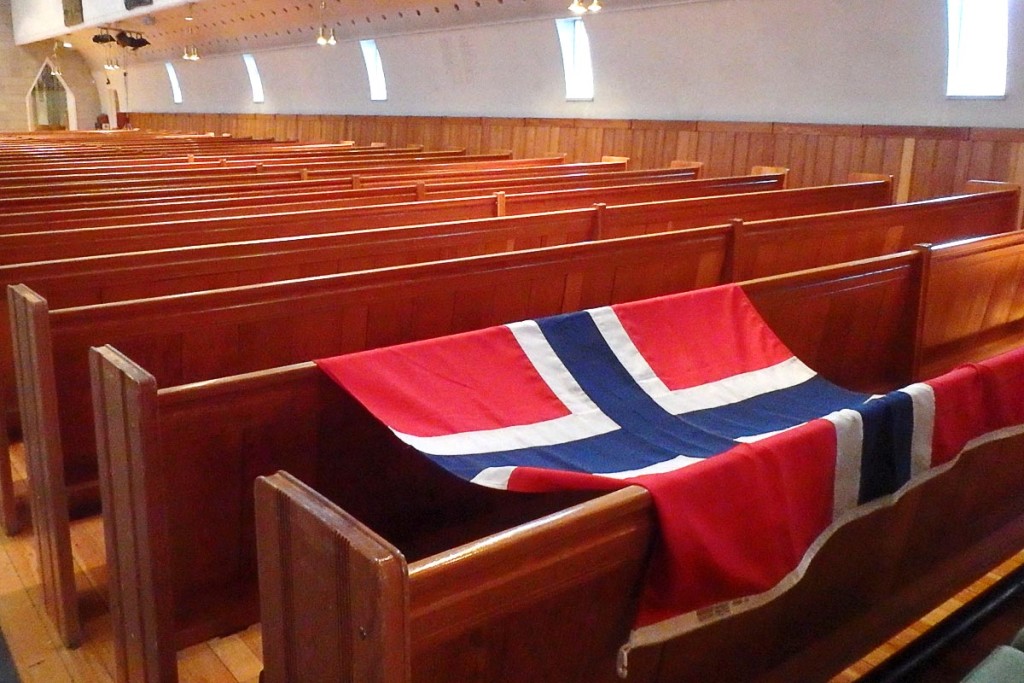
860, 589
47, 198
35, 246
129, 212
766, 248
160, 341
69, 164
53, 245
90, 280
173, 171
141, 179
182, 563
537, 286
54, 197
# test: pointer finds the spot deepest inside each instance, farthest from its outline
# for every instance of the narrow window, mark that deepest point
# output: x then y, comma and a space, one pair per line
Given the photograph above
579, 73
374, 69
978, 41
172, 76
254, 78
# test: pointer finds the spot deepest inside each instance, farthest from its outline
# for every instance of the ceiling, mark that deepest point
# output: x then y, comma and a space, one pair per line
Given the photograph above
235, 26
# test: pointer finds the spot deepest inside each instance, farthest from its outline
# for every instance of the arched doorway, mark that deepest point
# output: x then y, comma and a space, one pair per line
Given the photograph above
51, 104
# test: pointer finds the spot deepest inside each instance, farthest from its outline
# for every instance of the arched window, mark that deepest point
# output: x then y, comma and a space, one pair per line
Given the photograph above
374, 69
172, 76
254, 77
579, 73
978, 41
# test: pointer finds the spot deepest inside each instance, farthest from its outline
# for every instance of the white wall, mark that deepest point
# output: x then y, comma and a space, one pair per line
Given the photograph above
19, 67
841, 61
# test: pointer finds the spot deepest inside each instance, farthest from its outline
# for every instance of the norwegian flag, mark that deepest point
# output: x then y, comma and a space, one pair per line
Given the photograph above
646, 393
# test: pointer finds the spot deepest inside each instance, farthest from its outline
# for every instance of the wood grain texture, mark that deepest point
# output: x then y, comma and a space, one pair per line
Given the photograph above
814, 153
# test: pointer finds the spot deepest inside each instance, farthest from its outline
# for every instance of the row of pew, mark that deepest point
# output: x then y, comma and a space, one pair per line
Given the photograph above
175, 466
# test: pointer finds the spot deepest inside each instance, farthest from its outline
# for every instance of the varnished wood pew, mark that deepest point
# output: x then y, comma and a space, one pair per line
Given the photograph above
860, 590
70, 169
183, 560
111, 277
238, 176
176, 172
170, 343
67, 164
129, 212
431, 300
57, 199
36, 246
63, 149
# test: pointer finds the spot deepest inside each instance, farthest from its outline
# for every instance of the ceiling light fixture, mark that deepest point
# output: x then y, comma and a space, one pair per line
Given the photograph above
54, 65
577, 7
323, 36
191, 53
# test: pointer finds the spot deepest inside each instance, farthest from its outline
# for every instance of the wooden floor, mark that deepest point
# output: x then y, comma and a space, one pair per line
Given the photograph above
237, 659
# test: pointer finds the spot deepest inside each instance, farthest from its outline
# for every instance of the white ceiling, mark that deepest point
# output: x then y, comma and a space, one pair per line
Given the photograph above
235, 26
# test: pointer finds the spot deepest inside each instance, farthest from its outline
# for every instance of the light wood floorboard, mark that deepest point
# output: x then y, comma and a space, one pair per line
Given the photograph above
35, 646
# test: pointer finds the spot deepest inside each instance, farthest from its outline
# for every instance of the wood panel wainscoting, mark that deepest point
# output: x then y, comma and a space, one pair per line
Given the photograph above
926, 161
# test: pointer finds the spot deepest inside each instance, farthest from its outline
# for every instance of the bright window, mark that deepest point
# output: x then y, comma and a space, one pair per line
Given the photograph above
579, 73
254, 78
172, 76
977, 48
374, 69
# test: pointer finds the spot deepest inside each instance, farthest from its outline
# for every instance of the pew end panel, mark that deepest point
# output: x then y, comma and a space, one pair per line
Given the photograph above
865, 177
564, 584
697, 166
133, 500
48, 499
782, 171
972, 186
354, 619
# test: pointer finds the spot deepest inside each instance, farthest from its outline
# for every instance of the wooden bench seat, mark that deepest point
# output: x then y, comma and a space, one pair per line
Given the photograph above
70, 164
83, 173
870, 579
109, 277
134, 211
195, 438
37, 246
177, 336
237, 175
59, 198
